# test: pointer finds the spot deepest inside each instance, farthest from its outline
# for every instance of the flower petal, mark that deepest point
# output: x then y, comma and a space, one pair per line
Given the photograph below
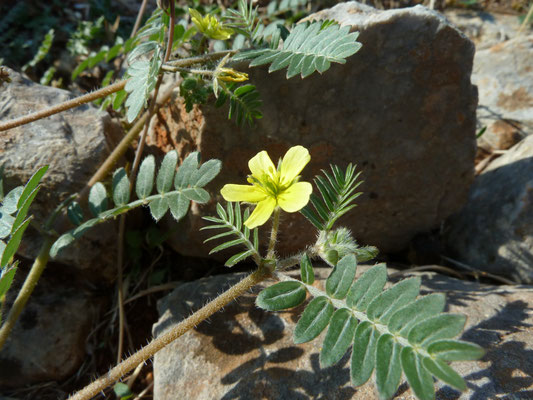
261, 164
262, 213
295, 197
293, 162
248, 193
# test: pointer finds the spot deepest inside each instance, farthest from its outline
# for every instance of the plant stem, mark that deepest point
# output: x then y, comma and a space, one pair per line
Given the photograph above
175, 332
78, 101
26, 290
120, 286
273, 234
138, 19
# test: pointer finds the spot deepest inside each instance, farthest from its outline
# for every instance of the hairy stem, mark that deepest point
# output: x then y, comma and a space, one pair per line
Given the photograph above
175, 332
26, 290
78, 101
273, 234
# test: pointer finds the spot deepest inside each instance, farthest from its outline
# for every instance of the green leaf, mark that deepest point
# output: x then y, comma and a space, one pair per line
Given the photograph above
145, 178
227, 245
392, 299
339, 337
307, 49
75, 213
196, 194
443, 326
186, 171
363, 353
314, 319
23, 209
97, 199
341, 278
306, 270
6, 223
367, 287
6, 279
417, 375
122, 391
30, 186
388, 367
165, 177
424, 307
159, 207
455, 350
179, 205
13, 244
238, 257
206, 173
281, 296
62, 242
440, 370
9, 205
121, 187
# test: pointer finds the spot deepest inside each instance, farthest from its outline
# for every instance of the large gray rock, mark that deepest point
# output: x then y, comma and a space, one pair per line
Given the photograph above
402, 108
504, 77
245, 353
48, 342
494, 232
74, 144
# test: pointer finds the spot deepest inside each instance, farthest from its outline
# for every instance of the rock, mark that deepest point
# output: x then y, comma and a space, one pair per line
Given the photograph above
504, 77
483, 28
49, 339
494, 232
244, 352
402, 108
74, 144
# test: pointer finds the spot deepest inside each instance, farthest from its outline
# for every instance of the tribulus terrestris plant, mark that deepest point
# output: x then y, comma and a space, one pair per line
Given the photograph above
391, 332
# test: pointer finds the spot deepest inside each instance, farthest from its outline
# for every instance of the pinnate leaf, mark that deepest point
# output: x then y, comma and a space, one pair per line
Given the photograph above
121, 187
388, 367
341, 278
145, 177
97, 199
417, 375
306, 270
338, 338
281, 296
165, 177
367, 287
314, 319
455, 350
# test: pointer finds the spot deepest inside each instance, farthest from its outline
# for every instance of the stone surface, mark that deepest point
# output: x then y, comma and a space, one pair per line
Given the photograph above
483, 28
246, 353
402, 108
494, 232
73, 144
504, 76
48, 342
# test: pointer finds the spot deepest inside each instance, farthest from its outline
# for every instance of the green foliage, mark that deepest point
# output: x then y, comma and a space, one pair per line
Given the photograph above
276, 7
44, 48
144, 72
245, 20
175, 191
392, 331
337, 190
281, 296
78, 43
231, 221
244, 103
13, 223
307, 49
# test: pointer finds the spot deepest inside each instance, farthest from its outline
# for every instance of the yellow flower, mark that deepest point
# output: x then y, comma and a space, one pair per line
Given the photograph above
271, 187
230, 75
210, 26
